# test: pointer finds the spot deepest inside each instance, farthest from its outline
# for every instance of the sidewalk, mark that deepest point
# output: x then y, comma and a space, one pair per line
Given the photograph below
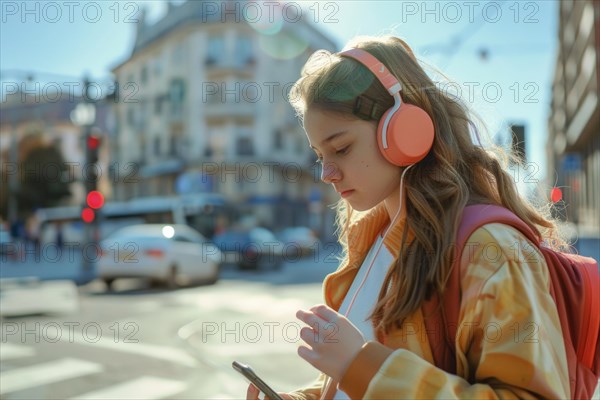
49, 263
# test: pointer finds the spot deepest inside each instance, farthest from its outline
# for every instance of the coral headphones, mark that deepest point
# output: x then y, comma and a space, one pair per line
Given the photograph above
405, 131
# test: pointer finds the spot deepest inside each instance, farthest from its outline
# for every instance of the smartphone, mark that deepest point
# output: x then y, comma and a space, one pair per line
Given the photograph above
252, 377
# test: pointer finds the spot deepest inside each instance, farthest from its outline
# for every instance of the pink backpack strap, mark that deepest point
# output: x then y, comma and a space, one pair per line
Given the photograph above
441, 322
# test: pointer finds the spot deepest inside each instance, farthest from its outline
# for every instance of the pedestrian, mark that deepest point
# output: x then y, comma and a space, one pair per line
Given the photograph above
32, 227
404, 179
60, 239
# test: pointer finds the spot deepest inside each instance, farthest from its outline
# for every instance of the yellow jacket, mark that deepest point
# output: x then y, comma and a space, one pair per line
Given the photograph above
510, 344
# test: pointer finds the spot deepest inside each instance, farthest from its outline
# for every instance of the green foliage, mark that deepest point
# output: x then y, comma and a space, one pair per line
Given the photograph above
45, 179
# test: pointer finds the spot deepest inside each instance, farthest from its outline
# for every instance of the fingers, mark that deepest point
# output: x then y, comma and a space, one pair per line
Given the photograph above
252, 392
325, 312
318, 314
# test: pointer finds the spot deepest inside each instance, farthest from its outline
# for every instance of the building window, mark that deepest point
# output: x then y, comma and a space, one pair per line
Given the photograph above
158, 104
244, 142
176, 96
174, 139
244, 53
143, 115
278, 140
156, 146
245, 146
157, 66
173, 145
215, 53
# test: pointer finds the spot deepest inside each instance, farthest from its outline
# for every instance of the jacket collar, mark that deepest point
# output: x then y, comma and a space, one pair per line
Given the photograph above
361, 236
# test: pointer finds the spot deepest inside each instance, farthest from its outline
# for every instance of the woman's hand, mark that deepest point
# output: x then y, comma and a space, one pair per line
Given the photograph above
334, 341
252, 394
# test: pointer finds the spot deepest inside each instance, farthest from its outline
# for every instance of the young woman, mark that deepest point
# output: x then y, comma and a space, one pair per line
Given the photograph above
404, 178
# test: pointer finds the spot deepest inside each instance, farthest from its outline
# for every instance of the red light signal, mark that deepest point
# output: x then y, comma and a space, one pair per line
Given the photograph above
88, 215
95, 199
556, 195
93, 142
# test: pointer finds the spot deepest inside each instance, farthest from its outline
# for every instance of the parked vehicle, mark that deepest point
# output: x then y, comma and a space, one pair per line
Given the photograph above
255, 248
299, 241
5, 241
172, 254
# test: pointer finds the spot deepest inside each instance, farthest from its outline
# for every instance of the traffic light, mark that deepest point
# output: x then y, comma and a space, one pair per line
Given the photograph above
92, 169
556, 195
93, 144
94, 200
88, 215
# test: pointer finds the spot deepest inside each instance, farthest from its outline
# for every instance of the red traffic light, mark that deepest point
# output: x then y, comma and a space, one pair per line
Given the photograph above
556, 195
93, 142
95, 199
88, 215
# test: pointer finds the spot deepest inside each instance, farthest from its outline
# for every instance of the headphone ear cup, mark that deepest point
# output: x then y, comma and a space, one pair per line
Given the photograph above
409, 135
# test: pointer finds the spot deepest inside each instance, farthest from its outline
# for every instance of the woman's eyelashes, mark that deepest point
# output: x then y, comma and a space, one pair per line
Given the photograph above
339, 152
342, 151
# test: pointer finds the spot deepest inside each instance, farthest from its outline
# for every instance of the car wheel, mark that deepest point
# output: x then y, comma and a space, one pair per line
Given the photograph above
109, 283
172, 277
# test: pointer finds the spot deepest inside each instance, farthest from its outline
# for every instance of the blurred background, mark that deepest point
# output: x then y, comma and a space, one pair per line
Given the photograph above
161, 213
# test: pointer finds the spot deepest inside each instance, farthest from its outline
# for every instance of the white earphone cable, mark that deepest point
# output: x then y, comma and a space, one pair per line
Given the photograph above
380, 244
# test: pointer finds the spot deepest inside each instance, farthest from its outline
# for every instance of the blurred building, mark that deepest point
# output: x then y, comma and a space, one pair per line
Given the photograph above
202, 108
518, 144
574, 125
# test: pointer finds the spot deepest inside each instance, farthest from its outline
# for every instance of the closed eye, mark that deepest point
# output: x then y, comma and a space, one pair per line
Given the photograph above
342, 151
339, 152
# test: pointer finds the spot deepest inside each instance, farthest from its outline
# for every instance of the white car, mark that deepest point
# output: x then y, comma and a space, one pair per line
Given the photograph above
172, 254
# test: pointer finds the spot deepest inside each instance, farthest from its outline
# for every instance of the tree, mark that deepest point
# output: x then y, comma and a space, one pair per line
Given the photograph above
44, 178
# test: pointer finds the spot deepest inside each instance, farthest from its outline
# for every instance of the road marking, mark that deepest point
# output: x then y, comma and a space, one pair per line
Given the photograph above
46, 373
146, 387
9, 351
171, 354
232, 350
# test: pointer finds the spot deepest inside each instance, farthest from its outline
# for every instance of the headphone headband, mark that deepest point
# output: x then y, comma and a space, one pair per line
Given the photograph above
378, 69
405, 132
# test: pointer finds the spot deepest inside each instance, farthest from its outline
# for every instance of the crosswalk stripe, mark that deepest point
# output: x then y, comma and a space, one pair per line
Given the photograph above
165, 353
146, 387
46, 373
9, 351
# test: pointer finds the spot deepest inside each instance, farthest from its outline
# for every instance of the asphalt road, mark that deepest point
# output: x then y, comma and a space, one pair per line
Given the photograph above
150, 343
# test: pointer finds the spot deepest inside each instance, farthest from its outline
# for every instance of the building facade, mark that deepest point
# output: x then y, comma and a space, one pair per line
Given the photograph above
573, 148
203, 108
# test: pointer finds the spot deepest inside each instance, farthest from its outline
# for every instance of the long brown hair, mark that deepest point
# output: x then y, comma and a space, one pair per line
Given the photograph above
455, 173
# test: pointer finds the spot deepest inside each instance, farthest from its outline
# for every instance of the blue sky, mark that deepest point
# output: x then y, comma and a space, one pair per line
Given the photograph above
60, 42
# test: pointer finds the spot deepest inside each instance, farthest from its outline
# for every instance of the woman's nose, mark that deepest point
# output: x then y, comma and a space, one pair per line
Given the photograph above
330, 173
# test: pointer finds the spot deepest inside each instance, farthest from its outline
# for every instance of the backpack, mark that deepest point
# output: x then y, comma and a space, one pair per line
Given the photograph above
575, 288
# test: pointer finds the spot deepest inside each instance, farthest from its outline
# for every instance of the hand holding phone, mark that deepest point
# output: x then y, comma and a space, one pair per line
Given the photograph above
255, 380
